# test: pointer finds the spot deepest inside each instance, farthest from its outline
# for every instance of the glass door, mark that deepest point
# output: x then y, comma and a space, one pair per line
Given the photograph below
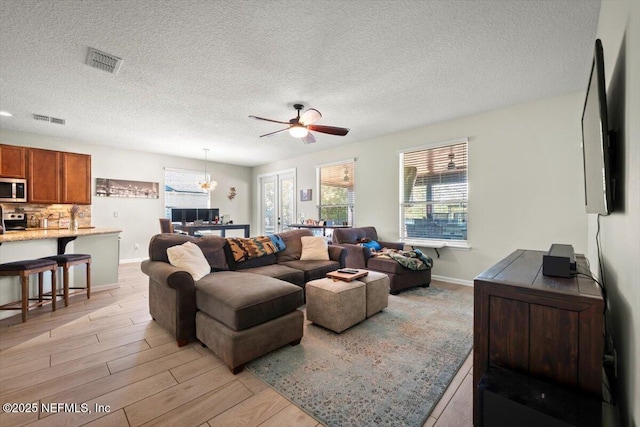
277, 201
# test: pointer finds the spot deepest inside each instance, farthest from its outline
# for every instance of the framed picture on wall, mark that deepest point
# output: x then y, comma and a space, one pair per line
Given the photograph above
108, 187
305, 195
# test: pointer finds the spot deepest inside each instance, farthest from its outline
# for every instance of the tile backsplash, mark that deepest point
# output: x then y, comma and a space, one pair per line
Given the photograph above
58, 214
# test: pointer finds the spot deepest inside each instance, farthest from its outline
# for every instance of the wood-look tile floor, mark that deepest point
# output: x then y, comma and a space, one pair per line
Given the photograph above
104, 362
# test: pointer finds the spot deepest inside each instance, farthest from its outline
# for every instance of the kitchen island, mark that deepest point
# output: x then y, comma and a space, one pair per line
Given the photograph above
101, 243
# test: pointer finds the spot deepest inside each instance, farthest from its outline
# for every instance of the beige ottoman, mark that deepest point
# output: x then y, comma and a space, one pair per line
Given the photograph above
377, 290
336, 305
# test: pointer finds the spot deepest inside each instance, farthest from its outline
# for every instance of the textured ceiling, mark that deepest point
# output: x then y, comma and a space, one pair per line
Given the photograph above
194, 71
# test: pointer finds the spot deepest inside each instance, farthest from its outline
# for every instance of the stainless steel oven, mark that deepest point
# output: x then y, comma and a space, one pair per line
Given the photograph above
13, 190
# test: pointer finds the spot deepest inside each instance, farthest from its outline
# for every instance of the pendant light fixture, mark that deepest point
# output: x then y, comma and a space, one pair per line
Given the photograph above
206, 184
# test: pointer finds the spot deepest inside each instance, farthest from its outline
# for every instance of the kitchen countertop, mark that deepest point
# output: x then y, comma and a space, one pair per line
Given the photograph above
53, 233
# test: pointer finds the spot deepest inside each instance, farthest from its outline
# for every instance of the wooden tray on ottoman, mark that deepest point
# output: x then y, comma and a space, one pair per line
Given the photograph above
347, 277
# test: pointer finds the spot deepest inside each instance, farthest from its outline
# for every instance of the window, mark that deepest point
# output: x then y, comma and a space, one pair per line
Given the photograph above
336, 200
434, 192
181, 190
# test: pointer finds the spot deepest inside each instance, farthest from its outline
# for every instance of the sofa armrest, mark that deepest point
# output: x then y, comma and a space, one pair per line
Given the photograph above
356, 255
172, 298
339, 254
168, 275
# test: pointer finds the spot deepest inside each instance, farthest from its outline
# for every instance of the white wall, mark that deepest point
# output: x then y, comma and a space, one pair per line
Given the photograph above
619, 30
138, 218
525, 181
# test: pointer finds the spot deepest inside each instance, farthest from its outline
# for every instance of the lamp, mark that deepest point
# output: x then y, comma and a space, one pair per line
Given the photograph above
206, 184
298, 131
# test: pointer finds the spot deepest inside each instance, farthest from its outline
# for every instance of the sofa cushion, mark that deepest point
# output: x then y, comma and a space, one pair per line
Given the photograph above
314, 248
212, 247
244, 249
354, 235
291, 239
243, 300
279, 271
189, 257
251, 263
387, 265
313, 269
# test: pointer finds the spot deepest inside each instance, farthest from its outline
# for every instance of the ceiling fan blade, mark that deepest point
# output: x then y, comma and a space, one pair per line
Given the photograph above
308, 139
310, 116
274, 133
268, 120
332, 130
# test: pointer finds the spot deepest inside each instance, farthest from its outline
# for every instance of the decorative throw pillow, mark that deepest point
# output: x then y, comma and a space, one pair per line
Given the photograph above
277, 241
189, 257
372, 245
314, 248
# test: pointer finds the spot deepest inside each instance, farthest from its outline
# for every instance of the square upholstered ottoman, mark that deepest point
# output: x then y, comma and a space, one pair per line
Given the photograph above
377, 290
336, 305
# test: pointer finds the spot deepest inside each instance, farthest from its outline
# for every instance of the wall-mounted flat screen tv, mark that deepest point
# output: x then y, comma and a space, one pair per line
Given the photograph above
598, 188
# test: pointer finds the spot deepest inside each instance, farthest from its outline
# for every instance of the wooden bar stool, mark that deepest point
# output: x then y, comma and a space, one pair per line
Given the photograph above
69, 260
24, 269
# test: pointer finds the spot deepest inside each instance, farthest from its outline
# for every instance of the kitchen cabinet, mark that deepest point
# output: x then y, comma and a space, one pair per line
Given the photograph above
12, 162
58, 177
76, 178
43, 181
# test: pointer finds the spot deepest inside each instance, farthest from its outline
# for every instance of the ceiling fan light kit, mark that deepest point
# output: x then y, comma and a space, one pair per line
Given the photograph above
300, 125
298, 131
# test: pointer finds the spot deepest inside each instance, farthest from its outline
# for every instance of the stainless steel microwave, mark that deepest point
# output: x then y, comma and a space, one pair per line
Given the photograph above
13, 190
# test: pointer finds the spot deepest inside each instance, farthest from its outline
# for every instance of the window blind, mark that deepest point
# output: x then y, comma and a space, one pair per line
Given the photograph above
182, 190
435, 193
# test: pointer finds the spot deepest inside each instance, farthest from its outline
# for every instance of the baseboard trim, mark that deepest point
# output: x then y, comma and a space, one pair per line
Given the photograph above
452, 280
105, 287
131, 260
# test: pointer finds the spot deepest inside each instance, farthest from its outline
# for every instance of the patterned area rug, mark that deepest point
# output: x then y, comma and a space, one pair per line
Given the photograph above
389, 370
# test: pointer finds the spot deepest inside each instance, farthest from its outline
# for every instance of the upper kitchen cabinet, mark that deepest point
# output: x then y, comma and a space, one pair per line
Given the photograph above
43, 182
58, 177
12, 162
76, 178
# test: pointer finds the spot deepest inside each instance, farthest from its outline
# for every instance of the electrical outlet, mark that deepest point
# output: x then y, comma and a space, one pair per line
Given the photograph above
136, 246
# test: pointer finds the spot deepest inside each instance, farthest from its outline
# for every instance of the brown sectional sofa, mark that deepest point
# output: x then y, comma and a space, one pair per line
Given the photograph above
239, 310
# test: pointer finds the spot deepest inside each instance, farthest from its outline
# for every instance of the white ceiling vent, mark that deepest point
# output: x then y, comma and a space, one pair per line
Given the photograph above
103, 61
42, 118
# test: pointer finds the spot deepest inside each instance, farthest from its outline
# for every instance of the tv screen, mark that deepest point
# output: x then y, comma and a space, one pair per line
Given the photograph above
595, 141
183, 215
177, 215
208, 214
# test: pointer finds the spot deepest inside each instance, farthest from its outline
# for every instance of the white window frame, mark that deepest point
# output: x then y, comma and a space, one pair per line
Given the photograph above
429, 242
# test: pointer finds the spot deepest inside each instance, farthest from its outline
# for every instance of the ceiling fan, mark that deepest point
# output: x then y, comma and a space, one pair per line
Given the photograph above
300, 125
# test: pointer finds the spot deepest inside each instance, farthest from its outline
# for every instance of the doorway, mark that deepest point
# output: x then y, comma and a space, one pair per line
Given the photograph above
277, 201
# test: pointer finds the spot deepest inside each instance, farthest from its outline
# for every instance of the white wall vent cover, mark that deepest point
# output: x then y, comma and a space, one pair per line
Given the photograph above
49, 119
103, 61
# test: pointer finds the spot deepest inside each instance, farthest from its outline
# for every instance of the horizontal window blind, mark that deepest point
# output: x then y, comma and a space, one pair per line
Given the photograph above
182, 190
435, 193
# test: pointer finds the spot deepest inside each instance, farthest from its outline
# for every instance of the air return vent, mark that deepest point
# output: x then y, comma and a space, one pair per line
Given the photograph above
103, 61
42, 118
